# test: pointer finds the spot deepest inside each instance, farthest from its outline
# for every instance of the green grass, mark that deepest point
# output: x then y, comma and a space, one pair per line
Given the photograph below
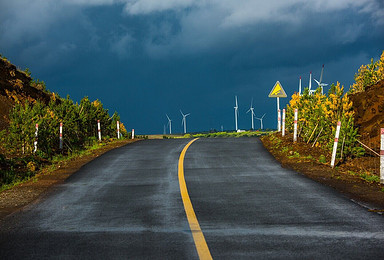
322, 159
227, 134
369, 177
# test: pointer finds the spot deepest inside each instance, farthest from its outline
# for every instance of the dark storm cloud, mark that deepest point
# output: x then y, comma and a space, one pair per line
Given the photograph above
146, 58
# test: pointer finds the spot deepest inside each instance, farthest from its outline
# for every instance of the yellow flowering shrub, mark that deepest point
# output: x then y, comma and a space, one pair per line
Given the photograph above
318, 115
368, 75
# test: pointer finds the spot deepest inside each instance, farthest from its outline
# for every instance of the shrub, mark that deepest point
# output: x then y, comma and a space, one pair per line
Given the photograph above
368, 75
318, 115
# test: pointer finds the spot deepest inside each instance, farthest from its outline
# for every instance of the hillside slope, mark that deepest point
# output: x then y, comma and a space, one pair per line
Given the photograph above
16, 86
369, 112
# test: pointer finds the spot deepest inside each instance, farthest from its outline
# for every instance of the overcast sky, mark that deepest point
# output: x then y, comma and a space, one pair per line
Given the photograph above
146, 58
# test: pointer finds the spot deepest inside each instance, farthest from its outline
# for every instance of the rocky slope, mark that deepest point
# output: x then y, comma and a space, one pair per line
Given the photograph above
16, 86
369, 112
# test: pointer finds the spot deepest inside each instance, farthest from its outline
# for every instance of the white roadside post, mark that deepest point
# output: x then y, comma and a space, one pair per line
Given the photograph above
278, 92
382, 157
36, 138
133, 133
335, 144
118, 129
61, 136
295, 127
98, 129
283, 129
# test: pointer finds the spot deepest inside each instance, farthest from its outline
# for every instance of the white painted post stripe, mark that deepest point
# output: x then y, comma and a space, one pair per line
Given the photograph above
295, 127
382, 157
118, 130
335, 144
283, 129
36, 138
133, 133
61, 136
99, 129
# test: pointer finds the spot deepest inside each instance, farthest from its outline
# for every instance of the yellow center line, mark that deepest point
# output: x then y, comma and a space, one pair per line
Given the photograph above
198, 236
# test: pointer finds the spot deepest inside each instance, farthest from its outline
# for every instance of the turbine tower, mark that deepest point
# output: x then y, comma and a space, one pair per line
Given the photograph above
236, 113
261, 121
184, 121
321, 85
310, 84
252, 113
170, 124
300, 86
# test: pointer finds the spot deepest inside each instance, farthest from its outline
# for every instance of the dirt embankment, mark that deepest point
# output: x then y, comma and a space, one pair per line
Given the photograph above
15, 86
369, 113
348, 177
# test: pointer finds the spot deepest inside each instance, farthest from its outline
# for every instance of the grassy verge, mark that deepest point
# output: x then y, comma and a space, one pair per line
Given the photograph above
227, 134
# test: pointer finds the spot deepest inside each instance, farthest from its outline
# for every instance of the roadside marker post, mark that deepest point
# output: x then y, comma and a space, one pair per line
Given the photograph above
133, 133
295, 126
36, 138
118, 130
382, 157
98, 129
335, 144
283, 129
278, 92
61, 136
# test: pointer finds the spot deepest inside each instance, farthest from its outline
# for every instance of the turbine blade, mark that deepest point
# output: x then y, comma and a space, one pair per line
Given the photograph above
321, 76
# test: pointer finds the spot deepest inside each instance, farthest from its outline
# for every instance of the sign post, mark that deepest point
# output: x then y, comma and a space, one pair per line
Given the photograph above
278, 92
283, 130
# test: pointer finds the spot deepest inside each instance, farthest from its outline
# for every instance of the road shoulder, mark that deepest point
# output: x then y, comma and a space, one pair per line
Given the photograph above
19, 196
368, 194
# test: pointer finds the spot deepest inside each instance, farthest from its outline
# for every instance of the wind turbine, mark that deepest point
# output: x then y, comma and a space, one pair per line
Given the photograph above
300, 86
261, 121
236, 113
184, 121
310, 84
170, 124
252, 113
321, 85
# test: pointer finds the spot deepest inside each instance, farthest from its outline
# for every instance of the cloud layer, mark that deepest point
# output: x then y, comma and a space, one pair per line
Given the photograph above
170, 50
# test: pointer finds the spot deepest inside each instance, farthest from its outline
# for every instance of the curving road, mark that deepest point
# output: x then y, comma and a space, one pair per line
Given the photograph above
127, 205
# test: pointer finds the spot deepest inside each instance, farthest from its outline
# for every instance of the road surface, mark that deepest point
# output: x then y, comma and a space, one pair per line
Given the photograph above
127, 205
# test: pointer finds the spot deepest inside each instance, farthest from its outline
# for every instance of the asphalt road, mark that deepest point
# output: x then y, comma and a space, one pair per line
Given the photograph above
127, 205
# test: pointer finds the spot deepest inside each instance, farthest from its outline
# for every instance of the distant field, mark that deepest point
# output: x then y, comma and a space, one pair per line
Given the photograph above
212, 135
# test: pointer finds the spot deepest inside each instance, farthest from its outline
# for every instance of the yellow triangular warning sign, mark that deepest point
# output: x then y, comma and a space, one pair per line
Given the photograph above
277, 91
